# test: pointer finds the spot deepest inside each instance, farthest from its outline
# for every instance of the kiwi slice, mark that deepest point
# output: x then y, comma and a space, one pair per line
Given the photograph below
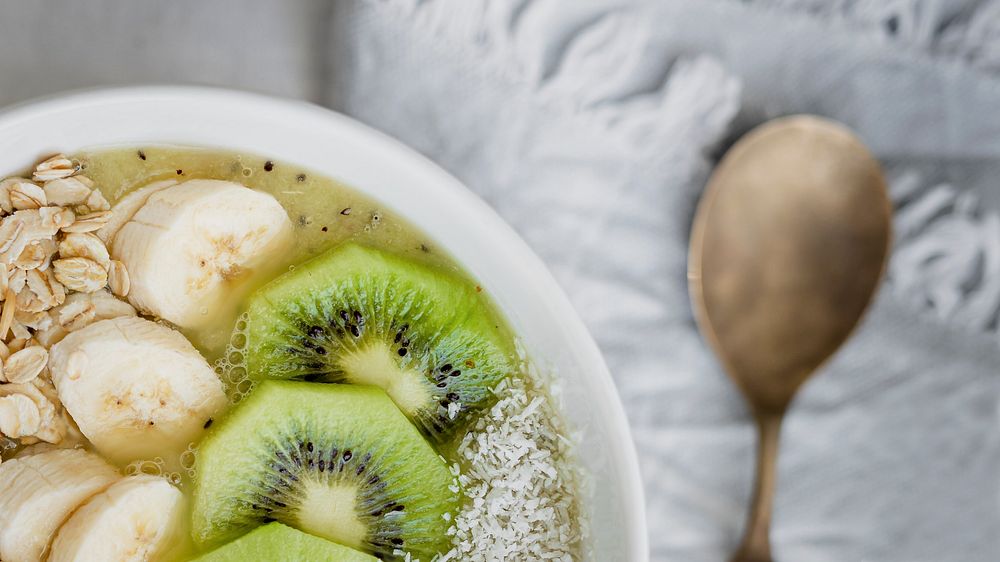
337, 461
275, 541
358, 315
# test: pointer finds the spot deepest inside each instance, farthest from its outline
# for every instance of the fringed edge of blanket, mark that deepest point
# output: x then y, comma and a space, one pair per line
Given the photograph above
965, 29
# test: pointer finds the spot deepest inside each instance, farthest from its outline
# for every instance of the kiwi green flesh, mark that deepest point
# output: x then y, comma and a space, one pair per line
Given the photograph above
275, 541
359, 315
337, 461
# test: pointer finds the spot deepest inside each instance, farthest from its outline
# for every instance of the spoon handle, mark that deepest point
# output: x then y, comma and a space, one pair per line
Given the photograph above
756, 545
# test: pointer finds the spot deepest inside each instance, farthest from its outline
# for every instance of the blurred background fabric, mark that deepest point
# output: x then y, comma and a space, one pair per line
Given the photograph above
591, 127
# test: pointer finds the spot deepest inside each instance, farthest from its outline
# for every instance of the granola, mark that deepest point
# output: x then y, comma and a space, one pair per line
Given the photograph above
54, 279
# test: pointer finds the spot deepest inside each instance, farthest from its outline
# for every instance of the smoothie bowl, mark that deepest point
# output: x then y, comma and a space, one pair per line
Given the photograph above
240, 328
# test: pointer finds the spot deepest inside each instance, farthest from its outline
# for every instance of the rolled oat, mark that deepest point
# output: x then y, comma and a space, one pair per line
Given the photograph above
19, 416
59, 166
66, 192
26, 364
118, 279
27, 195
76, 314
85, 245
89, 223
97, 202
80, 274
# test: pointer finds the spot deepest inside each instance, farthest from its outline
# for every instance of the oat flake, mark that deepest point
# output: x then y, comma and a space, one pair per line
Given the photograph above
19, 416
26, 364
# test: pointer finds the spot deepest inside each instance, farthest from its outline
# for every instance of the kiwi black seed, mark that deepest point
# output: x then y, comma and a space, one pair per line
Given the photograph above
362, 316
337, 461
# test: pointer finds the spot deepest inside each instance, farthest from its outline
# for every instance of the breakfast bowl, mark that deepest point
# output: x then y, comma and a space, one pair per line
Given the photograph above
549, 334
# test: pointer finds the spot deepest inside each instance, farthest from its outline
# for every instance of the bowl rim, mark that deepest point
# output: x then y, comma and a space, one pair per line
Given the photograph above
529, 263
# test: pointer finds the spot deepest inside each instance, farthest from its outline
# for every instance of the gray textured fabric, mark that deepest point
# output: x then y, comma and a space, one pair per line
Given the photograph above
590, 126
891, 452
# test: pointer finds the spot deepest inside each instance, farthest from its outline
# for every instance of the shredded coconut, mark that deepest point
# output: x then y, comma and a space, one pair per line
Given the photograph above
520, 481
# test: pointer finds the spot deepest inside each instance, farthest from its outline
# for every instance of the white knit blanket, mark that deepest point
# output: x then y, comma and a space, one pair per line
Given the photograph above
591, 128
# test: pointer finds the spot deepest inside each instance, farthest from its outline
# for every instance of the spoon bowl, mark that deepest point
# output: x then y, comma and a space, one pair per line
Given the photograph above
788, 246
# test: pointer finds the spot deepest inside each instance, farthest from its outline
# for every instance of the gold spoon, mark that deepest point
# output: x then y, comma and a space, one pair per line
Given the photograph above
788, 246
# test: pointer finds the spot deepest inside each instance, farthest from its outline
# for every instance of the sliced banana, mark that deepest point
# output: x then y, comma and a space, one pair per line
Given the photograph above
136, 389
38, 492
188, 244
127, 207
136, 519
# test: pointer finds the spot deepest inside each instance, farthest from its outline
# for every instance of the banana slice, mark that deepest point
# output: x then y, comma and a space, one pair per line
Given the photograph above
136, 389
137, 518
188, 244
127, 207
38, 492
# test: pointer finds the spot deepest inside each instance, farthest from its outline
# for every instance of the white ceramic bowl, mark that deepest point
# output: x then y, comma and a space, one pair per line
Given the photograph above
334, 145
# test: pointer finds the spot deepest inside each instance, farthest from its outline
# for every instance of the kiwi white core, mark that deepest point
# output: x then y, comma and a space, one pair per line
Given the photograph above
330, 511
376, 364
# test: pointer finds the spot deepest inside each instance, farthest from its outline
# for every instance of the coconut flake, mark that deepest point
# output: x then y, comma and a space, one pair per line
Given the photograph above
520, 480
